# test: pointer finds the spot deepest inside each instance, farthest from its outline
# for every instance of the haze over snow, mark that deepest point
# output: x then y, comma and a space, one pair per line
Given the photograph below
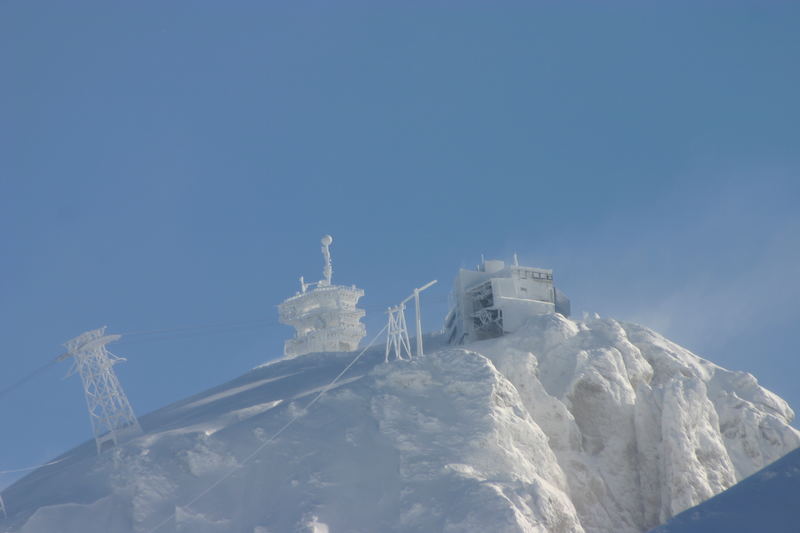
564, 426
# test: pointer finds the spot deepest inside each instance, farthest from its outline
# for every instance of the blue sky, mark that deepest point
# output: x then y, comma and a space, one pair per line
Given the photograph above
170, 164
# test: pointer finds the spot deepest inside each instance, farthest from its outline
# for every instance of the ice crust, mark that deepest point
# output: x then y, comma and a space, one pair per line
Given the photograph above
565, 426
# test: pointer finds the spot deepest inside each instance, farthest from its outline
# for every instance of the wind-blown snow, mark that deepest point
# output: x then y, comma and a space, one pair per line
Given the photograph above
564, 426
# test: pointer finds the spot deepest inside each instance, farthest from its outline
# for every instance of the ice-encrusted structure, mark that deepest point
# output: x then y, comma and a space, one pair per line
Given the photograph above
110, 412
563, 426
325, 318
496, 298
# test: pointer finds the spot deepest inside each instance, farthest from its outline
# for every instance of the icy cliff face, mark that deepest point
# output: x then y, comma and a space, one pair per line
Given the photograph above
564, 426
642, 428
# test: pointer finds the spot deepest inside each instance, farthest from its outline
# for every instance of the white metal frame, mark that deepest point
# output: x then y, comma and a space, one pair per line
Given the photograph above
397, 334
110, 412
397, 340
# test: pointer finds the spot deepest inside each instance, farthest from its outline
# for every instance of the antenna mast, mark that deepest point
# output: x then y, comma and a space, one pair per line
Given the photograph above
109, 410
327, 270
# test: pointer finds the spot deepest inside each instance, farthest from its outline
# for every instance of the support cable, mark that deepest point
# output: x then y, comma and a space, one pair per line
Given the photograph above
27, 378
219, 325
274, 435
29, 468
141, 336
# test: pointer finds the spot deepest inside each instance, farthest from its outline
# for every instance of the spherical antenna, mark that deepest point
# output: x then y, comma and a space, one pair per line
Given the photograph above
327, 240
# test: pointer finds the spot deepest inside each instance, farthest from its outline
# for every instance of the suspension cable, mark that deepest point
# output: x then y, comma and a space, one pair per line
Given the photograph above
27, 378
219, 325
28, 468
142, 336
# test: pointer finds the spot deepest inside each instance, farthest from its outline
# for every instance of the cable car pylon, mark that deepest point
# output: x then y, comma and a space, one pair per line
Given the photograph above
110, 412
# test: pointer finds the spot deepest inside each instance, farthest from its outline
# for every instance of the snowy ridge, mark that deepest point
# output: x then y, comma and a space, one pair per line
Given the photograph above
564, 426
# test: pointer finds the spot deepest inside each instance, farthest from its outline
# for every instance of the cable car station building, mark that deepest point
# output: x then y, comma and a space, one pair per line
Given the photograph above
497, 298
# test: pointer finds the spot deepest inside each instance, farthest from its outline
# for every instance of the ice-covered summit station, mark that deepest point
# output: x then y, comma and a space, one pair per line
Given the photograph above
325, 318
496, 298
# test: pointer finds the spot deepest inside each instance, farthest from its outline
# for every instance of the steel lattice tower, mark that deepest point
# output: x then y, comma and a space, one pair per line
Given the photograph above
109, 410
397, 334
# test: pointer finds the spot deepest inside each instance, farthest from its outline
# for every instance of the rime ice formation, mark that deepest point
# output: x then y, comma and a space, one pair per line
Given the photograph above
496, 298
326, 318
564, 426
110, 412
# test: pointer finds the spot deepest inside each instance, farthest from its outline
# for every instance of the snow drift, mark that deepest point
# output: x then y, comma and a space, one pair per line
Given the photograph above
564, 426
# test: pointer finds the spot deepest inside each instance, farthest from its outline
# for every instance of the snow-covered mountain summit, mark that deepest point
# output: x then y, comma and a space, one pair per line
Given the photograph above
563, 426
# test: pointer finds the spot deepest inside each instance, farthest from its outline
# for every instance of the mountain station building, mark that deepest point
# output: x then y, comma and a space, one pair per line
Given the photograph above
497, 298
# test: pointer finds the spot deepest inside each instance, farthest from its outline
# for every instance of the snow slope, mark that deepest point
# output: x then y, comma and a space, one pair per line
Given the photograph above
564, 426
765, 501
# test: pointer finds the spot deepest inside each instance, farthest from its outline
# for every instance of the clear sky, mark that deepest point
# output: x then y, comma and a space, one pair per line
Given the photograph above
168, 164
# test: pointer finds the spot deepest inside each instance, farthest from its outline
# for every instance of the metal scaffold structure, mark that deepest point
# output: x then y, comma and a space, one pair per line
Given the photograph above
397, 340
110, 412
397, 334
